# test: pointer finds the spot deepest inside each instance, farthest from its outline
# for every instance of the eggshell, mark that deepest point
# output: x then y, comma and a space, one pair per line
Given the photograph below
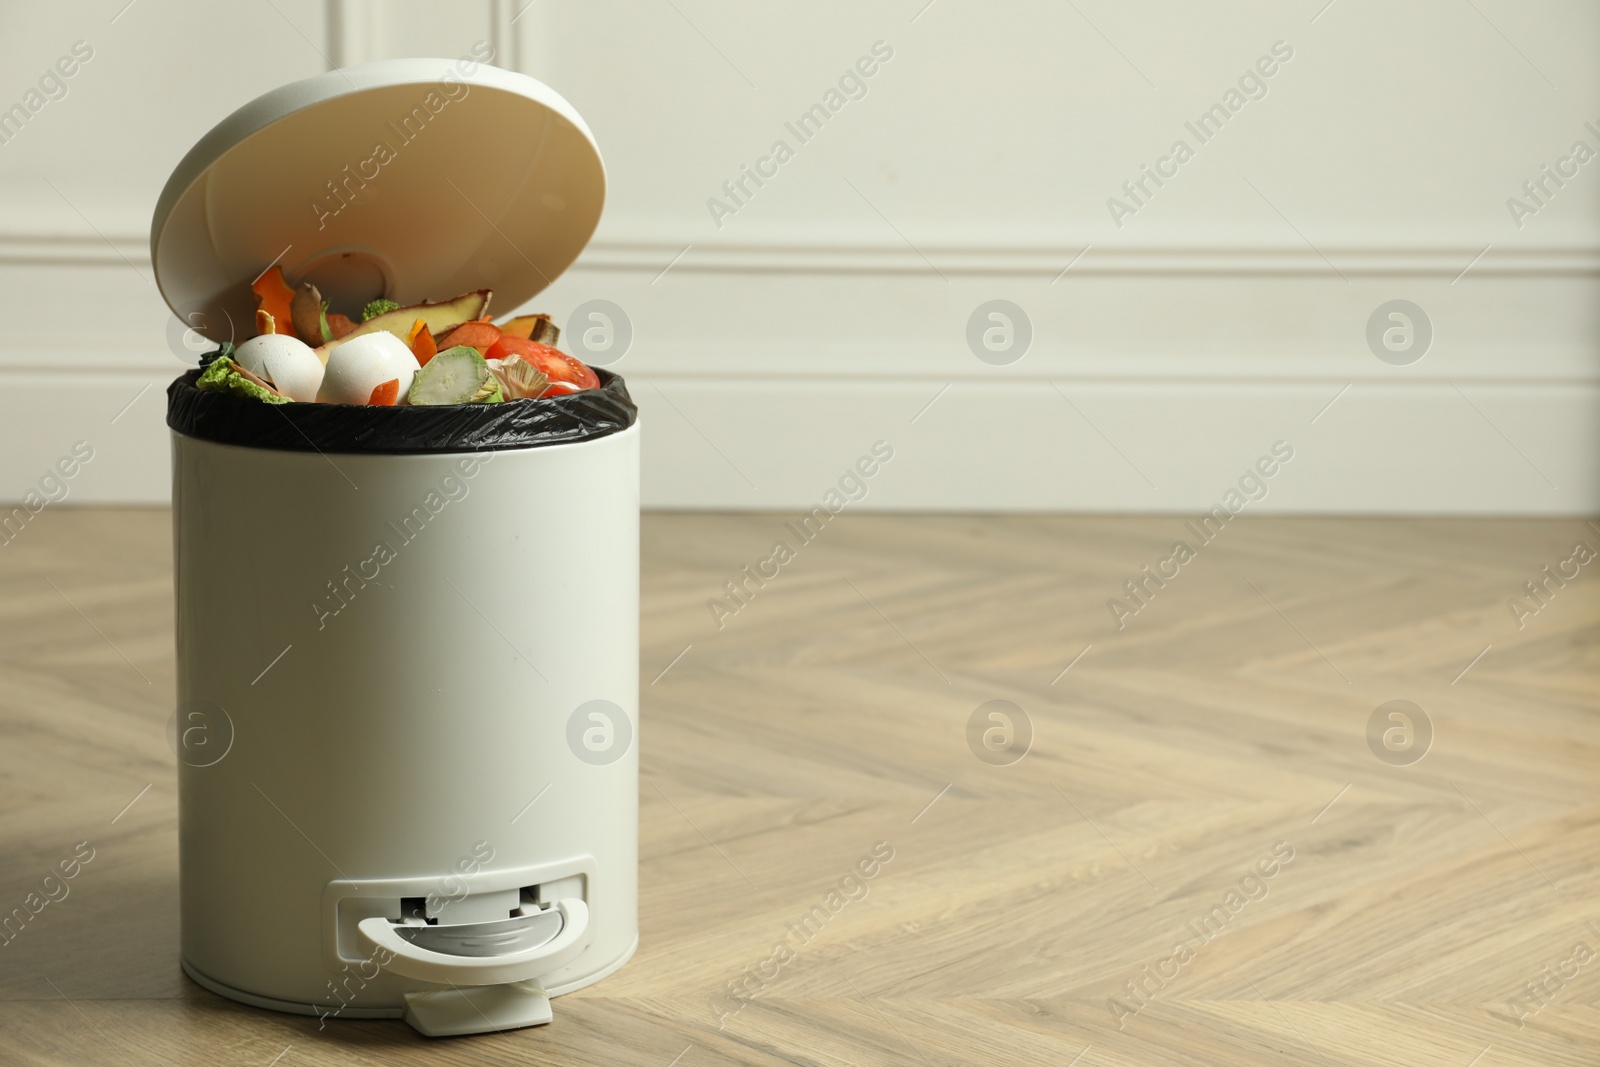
361, 364
288, 363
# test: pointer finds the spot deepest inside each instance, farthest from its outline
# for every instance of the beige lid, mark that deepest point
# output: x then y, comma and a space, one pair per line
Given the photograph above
405, 178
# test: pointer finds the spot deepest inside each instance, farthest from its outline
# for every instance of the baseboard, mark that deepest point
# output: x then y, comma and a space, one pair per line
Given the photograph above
773, 444
1121, 446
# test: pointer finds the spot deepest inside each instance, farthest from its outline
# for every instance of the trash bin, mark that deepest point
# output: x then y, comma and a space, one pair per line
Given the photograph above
407, 637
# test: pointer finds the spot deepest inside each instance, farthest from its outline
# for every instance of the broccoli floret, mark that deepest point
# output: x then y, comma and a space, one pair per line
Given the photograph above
378, 307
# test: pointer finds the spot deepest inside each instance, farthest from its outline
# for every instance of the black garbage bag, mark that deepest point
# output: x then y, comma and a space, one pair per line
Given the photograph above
236, 420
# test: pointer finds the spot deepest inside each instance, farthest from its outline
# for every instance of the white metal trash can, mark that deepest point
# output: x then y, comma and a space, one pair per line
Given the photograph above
407, 661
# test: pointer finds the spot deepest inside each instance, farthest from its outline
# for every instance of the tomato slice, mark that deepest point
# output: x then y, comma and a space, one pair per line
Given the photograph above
557, 365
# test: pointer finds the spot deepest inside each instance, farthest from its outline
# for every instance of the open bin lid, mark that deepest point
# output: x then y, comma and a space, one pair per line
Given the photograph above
413, 179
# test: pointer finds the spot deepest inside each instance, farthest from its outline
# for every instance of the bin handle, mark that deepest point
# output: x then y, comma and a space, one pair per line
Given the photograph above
379, 934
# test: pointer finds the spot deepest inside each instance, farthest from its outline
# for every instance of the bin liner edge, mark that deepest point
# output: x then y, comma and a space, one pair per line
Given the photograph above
354, 428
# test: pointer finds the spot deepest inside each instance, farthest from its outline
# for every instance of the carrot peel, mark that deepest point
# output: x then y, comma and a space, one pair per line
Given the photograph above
421, 342
479, 335
385, 395
274, 296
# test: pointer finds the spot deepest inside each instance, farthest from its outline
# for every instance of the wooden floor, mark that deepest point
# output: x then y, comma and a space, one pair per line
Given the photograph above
1222, 733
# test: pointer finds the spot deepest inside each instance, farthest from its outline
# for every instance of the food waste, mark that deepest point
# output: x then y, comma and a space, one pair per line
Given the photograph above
426, 354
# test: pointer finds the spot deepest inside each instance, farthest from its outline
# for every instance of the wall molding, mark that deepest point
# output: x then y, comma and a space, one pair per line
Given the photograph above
1086, 259
890, 257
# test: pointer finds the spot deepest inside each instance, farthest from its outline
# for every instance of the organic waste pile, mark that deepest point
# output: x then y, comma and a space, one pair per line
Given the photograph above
426, 354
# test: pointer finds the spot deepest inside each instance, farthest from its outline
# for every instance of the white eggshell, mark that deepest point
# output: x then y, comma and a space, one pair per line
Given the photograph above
288, 363
363, 363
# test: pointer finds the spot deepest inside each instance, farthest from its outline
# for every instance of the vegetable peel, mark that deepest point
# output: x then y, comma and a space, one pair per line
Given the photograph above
274, 296
519, 379
440, 317
385, 395
479, 335
422, 343
223, 375
538, 328
444, 353
457, 375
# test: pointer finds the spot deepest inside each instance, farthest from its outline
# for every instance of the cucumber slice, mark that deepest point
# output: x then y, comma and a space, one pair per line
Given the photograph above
457, 375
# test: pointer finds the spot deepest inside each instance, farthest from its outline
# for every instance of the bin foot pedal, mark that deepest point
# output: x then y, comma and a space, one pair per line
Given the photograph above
477, 1009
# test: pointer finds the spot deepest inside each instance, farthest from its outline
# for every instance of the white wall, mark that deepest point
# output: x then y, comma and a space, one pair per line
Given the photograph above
832, 307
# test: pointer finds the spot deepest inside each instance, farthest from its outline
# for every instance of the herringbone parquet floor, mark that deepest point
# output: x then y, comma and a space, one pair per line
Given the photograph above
1193, 840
